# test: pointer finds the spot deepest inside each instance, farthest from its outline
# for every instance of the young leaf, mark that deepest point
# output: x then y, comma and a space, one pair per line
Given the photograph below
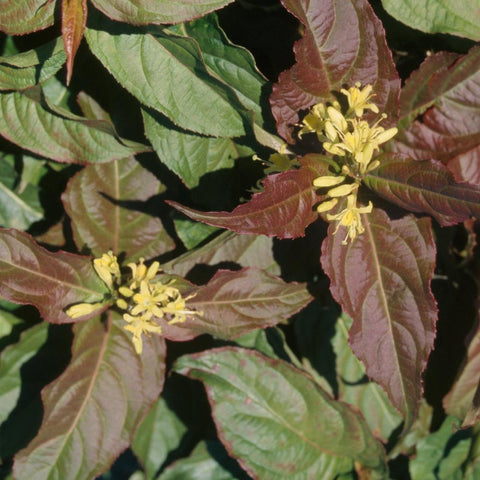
157, 11
344, 43
426, 187
382, 281
233, 303
166, 73
93, 408
107, 206
283, 209
436, 16
26, 122
29, 274
303, 431
439, 111
74, 20
25, 16
26, 69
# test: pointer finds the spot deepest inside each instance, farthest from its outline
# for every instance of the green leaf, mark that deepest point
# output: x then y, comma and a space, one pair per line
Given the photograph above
25, 16
93, 408
188, 155
437, 16
108, 207
26, 69
7, 322
166, 73
29, 274
208, 460
19, 201
304, 432
25, 121
157, 11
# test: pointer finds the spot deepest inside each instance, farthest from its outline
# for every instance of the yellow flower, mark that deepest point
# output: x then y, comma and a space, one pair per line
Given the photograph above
140, 272
82, 309
149, 301
139, 325
107, 268
358, 99
350, 218
327, 205
328, 180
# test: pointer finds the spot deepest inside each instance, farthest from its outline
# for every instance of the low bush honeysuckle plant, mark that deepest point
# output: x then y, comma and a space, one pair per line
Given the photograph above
292, 224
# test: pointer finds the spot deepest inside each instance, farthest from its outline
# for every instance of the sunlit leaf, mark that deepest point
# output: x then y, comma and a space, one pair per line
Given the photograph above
283, 209
166, 73
25, 121
74, 20
29, 274
440, 113
436, 16
26, 69
25, 16
426, 187
93, 408
107, 205
344, 42
235, 302
382, 281
303, 431
157, 11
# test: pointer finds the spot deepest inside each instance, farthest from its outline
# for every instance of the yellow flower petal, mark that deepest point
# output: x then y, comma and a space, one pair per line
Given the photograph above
82, 309
327, 205
328, 181
342, 190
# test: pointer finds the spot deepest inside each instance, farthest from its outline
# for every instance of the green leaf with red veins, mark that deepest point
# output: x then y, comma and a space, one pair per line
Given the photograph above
25, 121
304, 432
440, 113
31, 275
107, 206
382, 281
25, 16
93, 408
283, 209
344, 43
236, 302
142, 12
424, 187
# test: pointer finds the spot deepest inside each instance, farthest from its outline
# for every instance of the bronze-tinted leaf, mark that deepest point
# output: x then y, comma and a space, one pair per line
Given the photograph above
25, 16
382, 280
344, 42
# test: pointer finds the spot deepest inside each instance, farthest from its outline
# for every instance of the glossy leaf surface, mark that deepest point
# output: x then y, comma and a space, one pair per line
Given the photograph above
235, 302
25, 16
107, 205
167, 74
283, 209
141, 12
29, 274
344, 43
382, 281
26, 122
426, 187
304, 431
93, 408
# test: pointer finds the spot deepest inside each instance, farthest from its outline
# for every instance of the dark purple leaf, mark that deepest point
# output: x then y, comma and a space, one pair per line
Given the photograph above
382, 280
425, 186
93, 408
29, 274
343, 43
283, 209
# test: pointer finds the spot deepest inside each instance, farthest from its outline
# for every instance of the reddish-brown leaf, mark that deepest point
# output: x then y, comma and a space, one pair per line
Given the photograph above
74, 20
382, 280
343, 43
425, 186
283, 209
233, 303
25, 16
107, 206
29, 274
440, 113
93, 408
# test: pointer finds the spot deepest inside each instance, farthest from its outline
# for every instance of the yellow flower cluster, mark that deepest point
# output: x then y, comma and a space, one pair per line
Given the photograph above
143, 298
354, 141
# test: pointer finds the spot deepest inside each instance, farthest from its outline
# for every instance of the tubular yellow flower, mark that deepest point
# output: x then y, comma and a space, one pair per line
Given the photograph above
82, 309
107, 268
149, 300
358, 99
327, 205
138, 326
140, 272
328, 181
342, 190
350, 218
